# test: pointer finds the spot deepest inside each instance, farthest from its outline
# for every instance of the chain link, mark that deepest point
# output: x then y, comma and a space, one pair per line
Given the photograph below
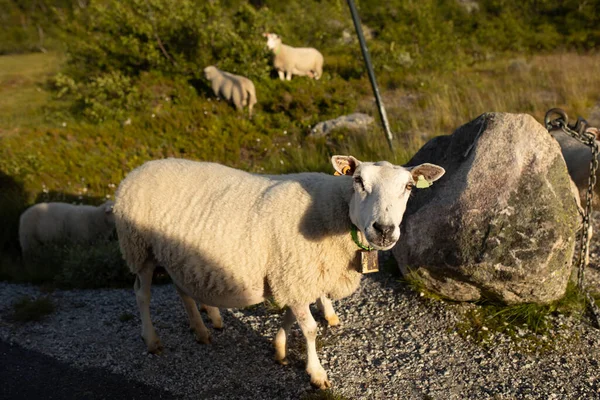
579, 131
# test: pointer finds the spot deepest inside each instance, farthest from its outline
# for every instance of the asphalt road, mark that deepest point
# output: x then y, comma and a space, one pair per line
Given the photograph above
27, 374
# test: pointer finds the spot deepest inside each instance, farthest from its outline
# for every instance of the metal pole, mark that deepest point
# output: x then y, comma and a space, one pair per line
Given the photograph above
365, 53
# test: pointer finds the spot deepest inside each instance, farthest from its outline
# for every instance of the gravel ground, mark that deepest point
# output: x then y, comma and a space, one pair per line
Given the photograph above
393, 343
27, 374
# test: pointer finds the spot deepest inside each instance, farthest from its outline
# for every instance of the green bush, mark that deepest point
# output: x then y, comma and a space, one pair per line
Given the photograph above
31, 25
80, 266
27, 309
100, 265
109, 96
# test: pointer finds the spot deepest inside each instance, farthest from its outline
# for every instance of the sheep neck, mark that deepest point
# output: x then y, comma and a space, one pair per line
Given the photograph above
335, 194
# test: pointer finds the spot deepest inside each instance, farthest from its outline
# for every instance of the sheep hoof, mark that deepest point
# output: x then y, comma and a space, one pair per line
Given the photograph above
203, 339
155, 347
333, 320
218, 326
320, 383
282, 361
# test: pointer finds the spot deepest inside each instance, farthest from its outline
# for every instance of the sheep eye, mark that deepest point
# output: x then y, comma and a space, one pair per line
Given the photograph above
410, 186
358, 180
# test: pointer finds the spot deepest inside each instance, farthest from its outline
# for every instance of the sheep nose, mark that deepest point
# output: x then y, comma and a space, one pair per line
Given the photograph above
383, 230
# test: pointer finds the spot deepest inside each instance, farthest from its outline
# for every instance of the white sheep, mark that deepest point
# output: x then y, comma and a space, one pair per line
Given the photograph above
45, 223
288, 60
234, 88
577, 157
229, 238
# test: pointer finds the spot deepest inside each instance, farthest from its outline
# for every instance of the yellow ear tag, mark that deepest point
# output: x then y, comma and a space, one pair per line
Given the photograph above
345, 171
423, 183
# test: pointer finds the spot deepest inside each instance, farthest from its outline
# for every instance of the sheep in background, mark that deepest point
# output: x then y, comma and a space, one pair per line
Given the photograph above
234, 88
62, 222
577, 157
229, 238
290, 60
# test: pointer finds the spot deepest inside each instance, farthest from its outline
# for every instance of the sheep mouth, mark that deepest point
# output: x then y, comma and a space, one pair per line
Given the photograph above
382, 243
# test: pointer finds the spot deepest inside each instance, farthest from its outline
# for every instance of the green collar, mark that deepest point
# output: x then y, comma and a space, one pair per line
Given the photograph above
277, 50
354, 232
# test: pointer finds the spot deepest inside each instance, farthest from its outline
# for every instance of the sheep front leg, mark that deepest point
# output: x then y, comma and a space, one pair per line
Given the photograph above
142, 284
318, 376
324, 304
288, 75
281, 337
281, 75
196, 324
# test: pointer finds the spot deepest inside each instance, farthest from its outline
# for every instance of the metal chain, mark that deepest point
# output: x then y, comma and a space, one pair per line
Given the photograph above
579, 132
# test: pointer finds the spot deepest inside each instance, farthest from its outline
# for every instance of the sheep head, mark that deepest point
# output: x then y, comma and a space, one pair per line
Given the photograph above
108, 209
380, 193
273, 40
210, 72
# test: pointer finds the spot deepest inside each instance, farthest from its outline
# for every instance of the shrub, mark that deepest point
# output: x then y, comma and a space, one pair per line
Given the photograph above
27, 26
108, 96
27, 309
79, 266
100, 265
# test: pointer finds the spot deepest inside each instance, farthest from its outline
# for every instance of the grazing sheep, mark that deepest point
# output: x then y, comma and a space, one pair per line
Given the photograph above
234, 88
290, 60
61, 222
229, 238
577, 157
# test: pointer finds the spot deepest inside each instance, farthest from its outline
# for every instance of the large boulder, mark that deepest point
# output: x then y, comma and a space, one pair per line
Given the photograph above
356, 121
501, 223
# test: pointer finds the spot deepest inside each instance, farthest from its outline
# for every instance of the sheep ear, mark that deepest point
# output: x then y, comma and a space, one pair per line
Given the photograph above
344, 165
265, 34
426, 173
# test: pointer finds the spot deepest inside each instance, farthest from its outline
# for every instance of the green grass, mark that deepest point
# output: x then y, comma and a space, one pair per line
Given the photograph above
27, 309
328, 394
528, 325
49, 154
23, 90
413, 280
126, 316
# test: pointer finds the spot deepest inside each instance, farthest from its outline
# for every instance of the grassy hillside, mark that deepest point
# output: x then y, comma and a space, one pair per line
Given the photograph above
74, 121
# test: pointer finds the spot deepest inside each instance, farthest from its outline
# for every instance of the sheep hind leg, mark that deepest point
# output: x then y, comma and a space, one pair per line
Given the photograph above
324, 304
196, 324
281, 337
318, 376
214, 315
142, 284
